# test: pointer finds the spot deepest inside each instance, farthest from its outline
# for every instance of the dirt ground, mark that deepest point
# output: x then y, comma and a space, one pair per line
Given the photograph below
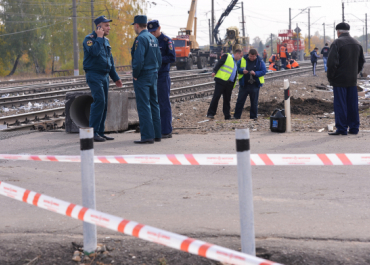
57, 249
311, 107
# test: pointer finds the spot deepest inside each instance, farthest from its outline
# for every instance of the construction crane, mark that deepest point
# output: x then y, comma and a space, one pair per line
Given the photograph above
216, 31
186, 45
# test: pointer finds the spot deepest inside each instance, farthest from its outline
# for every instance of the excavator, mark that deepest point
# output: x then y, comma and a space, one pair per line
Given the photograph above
186, 45
232, 41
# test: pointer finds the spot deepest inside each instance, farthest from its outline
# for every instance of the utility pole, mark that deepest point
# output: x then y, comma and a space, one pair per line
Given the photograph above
309, 32
272, 49
366, 32
324, 33
210, 32
297, 43
334, 31
243, 22
290, 18
75, 40
342, 11
363, 38
92, 15
213, 20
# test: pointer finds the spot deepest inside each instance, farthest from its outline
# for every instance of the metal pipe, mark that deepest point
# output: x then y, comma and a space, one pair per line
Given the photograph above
245, 192
287, 106
88, 186
92, 15
75, 39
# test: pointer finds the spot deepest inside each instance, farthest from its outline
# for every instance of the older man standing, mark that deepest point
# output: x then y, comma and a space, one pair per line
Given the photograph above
99, 65
345, 61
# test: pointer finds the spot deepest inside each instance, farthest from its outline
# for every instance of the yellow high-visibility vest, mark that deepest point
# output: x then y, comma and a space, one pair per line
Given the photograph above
243, 64
227, 69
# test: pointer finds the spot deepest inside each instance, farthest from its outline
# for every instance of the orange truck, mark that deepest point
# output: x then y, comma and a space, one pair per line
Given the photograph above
186, 46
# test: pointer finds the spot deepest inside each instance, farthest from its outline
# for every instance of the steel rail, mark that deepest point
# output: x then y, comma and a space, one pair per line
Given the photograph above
59, 92
45, 81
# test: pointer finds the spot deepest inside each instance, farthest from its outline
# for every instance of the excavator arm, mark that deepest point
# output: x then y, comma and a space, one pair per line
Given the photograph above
216, 31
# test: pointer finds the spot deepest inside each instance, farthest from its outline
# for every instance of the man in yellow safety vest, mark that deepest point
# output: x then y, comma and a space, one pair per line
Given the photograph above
226, 74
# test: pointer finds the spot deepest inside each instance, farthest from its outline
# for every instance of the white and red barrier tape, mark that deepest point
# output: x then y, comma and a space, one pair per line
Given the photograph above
213, 159
131, 228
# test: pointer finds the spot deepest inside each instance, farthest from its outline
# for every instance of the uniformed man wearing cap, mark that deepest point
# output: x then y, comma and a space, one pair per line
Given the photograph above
146, 62
164, 81
98, 64
345, 61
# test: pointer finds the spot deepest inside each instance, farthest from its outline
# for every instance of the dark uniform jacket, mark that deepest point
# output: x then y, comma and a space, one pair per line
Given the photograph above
345, 61
145, 53
217, 67
98, 56
325, 51
258, 66
167, 52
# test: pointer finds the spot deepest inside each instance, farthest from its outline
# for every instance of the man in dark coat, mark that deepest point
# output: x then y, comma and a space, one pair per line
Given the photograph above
345, 61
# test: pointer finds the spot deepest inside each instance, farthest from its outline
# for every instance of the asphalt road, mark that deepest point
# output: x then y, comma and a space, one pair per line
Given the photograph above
291, 202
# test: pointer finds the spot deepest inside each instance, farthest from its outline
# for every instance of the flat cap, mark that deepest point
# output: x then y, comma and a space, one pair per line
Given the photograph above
153, 25
140, 19
342, 26
101, 19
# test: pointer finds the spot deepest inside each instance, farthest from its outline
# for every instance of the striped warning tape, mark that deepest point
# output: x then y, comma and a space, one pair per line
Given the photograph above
212, 159
131, 228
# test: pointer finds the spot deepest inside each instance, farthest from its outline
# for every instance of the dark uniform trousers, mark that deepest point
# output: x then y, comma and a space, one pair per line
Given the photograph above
163, 90
346, 109
146, 91
99, 86
253, 92
226, 91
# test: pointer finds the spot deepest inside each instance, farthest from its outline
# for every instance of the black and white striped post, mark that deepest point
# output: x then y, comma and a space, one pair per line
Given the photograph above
88, 185
245, 192
287, 105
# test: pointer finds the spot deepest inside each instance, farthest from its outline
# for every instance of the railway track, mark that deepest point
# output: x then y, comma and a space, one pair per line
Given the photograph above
81, 78
55, 80
52, 118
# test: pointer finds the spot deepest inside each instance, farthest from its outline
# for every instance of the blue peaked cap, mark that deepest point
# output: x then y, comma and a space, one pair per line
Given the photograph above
101, 19
153, 25
140, 19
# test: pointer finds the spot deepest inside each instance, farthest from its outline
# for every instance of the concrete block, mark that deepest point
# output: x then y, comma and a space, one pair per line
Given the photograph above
133, 116
78, 111
117, 114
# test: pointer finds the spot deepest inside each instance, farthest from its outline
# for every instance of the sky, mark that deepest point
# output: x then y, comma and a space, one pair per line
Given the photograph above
262, 17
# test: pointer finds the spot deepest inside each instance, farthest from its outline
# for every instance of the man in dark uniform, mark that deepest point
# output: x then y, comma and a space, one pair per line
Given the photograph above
345, 61
164, 80
98, 64
146, 62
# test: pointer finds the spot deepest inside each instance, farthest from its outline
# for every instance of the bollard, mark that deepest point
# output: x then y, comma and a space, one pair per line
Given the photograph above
88, 186
287, 106
245, 192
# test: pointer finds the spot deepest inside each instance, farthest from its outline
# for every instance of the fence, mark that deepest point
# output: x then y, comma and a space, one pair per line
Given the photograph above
243, 159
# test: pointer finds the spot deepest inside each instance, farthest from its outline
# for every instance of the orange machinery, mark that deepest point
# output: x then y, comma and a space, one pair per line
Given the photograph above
289, 37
